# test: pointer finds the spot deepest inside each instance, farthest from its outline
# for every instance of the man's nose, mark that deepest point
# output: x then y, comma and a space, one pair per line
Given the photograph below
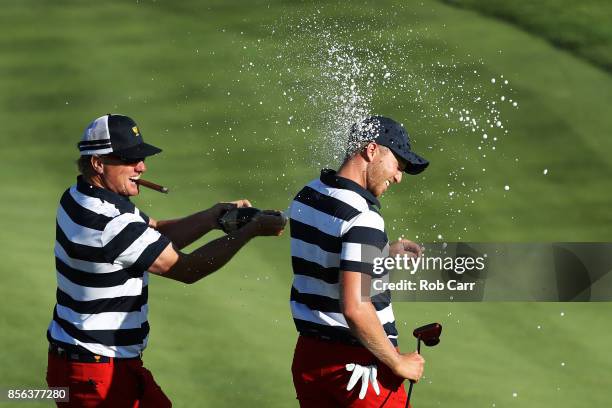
398, 177
141, 167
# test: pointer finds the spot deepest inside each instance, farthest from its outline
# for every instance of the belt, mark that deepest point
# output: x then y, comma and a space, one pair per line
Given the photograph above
347, 341
84, 357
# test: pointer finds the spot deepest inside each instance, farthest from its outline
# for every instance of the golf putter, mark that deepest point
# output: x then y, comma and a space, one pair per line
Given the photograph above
430, 335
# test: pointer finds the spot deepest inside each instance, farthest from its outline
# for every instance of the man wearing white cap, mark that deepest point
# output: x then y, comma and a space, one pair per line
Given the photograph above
104, 249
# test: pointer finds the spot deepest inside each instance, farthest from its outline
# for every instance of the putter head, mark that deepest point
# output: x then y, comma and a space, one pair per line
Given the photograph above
429, 334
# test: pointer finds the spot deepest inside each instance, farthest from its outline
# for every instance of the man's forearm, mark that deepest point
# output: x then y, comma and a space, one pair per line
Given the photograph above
184, 231
364, 325
210, 257
362, 319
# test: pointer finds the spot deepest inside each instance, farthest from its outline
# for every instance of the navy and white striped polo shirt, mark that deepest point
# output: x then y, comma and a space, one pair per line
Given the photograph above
103, 248
334, 222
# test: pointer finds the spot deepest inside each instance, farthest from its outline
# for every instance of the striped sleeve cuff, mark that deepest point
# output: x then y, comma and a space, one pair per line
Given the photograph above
144, 250
152, 252
359, 257
354, 266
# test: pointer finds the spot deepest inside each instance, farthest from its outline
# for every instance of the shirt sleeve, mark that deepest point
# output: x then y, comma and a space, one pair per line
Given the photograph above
363, 242
130, 242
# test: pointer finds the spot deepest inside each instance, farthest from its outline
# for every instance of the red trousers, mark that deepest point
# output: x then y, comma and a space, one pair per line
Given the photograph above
320, 377
120, 383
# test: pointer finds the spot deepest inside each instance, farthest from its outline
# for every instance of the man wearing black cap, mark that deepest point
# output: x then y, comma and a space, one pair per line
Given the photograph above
345, 334
104, 249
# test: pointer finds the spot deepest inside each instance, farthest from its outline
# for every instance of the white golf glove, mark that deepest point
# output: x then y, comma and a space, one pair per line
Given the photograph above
367, 374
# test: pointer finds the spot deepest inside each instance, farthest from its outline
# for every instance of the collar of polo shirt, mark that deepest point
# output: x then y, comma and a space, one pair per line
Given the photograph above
122, 202
329, 177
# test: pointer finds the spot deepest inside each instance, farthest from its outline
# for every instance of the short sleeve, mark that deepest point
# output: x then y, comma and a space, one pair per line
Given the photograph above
130, 242
363, 241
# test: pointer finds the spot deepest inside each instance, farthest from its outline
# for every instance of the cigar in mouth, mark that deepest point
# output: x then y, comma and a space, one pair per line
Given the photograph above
152, 186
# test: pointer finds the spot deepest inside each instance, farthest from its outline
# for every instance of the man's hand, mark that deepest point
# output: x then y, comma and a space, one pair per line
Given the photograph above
217, 210
367, 374
410, 366
405, 247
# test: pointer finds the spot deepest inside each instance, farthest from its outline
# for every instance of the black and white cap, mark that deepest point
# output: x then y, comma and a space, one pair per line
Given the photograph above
389, 133
115, 134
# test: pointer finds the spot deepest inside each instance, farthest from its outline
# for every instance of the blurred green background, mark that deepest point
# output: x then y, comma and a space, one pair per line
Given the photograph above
178, 68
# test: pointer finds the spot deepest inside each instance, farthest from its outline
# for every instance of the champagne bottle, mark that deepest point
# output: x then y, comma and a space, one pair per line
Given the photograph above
236, 218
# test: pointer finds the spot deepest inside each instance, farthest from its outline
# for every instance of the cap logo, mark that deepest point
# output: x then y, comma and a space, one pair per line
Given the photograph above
135, 130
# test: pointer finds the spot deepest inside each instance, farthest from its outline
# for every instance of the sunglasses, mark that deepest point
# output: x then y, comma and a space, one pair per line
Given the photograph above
123, 160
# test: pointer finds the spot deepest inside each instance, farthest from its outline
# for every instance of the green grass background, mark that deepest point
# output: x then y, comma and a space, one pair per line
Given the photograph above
176, 67
582, 28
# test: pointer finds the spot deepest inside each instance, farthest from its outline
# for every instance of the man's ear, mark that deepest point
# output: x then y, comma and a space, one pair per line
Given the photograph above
370, 151
97, 165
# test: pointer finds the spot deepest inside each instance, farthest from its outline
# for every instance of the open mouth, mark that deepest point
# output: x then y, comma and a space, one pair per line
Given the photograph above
135, 179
